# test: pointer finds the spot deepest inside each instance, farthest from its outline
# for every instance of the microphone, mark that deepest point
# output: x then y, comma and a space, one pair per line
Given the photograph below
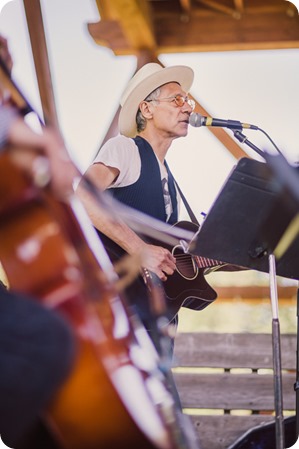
198, 120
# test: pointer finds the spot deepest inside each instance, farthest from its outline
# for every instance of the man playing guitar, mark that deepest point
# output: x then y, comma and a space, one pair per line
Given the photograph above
155, 110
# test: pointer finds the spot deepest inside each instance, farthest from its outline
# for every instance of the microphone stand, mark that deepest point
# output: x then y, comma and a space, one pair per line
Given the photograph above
243, 139
276, 348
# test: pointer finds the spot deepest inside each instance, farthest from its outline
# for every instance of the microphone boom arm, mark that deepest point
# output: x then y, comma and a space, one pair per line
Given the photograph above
243, 139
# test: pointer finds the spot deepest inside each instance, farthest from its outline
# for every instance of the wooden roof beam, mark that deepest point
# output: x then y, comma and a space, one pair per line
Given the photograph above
146, 27
125, 26
239, 5
221, 8
222, 32
39, 49
186, 5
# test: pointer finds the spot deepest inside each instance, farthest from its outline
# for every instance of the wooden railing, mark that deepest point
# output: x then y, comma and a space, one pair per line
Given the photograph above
226, 383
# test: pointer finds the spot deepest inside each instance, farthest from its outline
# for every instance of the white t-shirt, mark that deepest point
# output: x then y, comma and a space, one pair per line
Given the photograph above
122, 153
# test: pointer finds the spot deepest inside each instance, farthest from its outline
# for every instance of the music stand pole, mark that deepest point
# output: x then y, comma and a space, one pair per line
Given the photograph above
278, 396
276, 349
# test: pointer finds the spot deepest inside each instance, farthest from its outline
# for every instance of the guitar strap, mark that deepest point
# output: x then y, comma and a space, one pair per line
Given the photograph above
186, 204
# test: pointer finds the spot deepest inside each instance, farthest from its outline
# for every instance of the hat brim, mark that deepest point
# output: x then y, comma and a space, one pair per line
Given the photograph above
127, 118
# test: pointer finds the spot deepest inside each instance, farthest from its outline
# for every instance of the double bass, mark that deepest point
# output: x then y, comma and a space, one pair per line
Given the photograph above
115, 395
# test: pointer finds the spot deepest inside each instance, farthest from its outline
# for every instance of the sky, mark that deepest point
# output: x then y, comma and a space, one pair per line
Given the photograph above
258, 87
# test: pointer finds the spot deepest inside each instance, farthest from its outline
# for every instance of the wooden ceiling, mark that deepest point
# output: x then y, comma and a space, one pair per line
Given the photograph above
148, 28
167, 26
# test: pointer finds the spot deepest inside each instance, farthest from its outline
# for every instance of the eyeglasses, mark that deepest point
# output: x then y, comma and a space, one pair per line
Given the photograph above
179, 100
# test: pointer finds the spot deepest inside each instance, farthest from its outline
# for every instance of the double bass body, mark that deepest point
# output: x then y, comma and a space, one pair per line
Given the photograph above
111, 399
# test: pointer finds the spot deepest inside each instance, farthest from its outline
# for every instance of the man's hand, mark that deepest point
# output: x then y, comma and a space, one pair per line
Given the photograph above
158, 260
43, 156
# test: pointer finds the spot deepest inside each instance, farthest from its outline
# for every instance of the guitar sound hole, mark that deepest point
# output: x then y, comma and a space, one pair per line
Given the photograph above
185, 264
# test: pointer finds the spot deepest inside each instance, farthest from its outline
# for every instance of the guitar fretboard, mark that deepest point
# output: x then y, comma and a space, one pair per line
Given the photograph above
204, 262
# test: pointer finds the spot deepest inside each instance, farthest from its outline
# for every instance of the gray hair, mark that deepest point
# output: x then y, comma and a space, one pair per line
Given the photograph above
140, 120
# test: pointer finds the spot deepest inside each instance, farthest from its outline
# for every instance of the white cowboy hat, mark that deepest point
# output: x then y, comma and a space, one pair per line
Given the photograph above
148, 78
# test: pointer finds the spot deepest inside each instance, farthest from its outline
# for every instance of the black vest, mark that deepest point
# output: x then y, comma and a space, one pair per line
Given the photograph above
146, 194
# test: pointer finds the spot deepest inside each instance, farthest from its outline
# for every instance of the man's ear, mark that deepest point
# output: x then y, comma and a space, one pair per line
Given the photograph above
146, 109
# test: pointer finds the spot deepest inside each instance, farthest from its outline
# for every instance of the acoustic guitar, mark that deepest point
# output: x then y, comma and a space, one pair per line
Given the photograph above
188, 284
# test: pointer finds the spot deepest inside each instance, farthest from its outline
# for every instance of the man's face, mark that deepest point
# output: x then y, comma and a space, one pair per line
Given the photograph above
169, 119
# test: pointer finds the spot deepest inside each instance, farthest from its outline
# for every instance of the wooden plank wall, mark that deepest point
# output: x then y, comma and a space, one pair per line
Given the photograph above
226, 383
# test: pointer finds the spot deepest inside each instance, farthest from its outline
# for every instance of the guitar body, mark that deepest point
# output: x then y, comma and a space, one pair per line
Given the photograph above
187, 284
181, 291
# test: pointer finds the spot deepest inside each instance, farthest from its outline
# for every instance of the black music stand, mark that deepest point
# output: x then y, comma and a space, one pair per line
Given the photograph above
245, 227
247, 220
